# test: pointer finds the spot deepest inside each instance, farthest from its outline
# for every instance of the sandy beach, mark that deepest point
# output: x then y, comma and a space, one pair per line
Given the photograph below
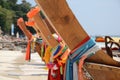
14, 67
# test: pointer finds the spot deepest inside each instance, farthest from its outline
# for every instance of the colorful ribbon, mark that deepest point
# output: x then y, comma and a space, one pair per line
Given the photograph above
76, 56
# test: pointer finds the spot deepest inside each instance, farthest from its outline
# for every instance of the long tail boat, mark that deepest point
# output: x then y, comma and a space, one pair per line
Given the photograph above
101, 66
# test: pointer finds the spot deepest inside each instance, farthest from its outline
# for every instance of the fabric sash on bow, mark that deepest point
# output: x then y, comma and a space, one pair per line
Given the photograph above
73, 57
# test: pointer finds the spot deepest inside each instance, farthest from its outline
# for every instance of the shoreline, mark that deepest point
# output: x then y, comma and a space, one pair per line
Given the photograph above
14, 67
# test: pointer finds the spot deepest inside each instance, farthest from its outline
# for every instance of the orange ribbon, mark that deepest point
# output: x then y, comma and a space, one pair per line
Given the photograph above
80, 73
33, 12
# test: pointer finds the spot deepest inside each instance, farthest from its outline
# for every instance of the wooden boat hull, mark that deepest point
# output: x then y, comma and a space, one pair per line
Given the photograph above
103, 72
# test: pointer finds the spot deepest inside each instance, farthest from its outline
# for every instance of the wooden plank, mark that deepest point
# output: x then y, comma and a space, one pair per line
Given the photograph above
37, 29
63, 21
22, 26
41, 26
47, 22
103, 72
45, 32
34, 27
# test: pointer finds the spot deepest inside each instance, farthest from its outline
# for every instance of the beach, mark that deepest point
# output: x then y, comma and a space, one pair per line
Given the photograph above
14, 67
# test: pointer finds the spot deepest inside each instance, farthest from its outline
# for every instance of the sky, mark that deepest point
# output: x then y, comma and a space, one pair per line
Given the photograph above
97, 17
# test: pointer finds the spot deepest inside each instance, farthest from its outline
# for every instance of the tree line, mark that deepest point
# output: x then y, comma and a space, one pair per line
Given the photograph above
10, 11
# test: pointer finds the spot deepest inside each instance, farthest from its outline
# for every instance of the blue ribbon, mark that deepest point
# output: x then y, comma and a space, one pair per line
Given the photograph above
76, 56
57, 50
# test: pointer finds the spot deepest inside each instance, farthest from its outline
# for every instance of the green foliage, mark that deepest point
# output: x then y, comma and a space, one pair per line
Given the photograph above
10, 11
6, 17
2, 18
